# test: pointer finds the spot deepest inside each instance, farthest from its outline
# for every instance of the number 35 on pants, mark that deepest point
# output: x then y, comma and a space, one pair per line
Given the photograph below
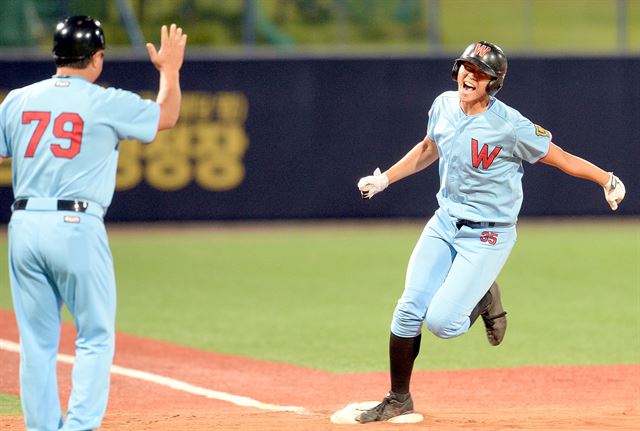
490, 238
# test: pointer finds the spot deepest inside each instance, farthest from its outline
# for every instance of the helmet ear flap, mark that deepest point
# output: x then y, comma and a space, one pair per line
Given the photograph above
494, 86
491, 87
454, 71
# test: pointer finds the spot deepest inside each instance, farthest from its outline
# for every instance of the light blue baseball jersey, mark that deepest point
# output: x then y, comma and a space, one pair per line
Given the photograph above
481, 158
63, 134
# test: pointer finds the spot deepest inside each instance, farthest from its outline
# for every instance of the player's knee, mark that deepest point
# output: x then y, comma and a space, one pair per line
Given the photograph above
97, 336
443, 326
405, 323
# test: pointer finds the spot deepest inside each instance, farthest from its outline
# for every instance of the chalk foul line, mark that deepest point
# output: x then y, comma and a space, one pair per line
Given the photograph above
177, 385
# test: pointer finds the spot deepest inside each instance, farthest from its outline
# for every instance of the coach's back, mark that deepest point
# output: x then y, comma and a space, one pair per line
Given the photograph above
65, 132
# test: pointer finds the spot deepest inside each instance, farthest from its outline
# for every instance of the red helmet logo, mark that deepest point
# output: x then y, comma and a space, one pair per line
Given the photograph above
480, 50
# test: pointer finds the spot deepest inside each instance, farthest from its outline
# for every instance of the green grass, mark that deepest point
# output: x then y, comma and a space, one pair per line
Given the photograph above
323, 297
9, 405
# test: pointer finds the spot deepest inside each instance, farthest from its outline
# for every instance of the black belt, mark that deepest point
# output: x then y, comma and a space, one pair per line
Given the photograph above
63, 205
476, 224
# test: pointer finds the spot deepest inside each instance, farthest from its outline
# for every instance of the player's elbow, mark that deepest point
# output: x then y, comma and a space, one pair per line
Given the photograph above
167, 121
169, 110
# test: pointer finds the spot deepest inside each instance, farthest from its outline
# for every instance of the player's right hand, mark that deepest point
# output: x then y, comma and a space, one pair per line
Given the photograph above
373, 184
614, 191
172, 46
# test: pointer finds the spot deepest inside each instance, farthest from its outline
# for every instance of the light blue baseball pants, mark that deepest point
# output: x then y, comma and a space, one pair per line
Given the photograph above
51, 262
449, 271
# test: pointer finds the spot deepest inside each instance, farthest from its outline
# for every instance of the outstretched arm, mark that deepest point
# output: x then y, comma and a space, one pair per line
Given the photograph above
168, 60
614, 190
418, 158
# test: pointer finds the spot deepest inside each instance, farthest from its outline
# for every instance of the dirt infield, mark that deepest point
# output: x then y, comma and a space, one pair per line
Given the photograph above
525, 398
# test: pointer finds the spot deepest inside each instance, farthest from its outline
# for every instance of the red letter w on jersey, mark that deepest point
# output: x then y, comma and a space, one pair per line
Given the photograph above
483, 156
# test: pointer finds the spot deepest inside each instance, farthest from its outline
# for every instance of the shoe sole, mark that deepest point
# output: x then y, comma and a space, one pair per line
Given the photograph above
496, 294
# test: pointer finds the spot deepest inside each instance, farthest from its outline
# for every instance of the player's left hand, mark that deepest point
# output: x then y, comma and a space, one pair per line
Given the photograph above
170, 56
373, 184
614, 191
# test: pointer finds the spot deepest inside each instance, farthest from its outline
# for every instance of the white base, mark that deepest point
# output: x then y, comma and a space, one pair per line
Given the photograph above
348, 414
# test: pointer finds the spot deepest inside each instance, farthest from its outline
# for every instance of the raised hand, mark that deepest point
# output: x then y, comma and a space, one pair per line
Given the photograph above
172, 46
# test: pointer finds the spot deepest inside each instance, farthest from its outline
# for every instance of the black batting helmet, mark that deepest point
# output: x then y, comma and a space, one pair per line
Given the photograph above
77, 38
488, 57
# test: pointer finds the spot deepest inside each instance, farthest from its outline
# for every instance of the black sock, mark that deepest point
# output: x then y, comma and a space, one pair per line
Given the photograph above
402, 354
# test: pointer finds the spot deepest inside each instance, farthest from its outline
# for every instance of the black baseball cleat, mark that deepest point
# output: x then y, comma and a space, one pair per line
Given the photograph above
494, 317
393, 405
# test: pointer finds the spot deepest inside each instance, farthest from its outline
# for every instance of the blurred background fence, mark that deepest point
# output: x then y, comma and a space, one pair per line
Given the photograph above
426, 26
287, 103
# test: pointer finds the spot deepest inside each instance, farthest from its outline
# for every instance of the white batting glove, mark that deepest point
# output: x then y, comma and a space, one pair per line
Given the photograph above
614, 191
373, 184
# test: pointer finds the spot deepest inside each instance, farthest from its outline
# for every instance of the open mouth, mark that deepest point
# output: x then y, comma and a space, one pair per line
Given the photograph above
468, 86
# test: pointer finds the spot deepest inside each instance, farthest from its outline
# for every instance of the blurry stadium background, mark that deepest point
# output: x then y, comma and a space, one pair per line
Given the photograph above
288, 102
352, 26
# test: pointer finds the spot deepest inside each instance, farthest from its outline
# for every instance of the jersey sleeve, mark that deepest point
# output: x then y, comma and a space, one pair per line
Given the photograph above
131, 116
532, 141
4, 142
434, 113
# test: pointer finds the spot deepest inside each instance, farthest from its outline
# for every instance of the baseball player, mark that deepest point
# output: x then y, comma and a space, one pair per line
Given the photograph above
62, 134
480, 143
